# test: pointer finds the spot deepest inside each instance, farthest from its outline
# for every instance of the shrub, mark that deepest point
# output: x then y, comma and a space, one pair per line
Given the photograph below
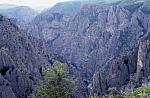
141, 92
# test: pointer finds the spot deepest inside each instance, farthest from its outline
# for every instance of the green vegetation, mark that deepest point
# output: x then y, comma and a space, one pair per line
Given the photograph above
56, 83
141, 92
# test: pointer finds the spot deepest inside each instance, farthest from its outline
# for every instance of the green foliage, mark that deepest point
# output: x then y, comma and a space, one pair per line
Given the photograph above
141, 92
56, 83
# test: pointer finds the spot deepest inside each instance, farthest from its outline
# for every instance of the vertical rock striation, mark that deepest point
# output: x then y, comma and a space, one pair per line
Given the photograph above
101, 43
20, 61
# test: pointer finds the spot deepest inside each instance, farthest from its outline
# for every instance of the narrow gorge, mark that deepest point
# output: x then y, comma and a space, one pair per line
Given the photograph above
105, 44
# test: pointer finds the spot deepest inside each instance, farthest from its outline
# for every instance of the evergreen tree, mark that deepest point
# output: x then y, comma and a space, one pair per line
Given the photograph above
56, 83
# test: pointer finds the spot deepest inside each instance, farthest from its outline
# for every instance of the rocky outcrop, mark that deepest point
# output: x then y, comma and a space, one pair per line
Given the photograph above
46, 26
20, 61
69, 8
143, 61
6, 89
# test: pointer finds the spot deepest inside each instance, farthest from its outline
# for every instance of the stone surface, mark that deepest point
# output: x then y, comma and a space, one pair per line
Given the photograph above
6, 89
20, 61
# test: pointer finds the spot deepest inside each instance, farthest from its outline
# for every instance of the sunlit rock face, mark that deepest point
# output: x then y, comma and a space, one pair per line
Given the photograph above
143, 61
101, 43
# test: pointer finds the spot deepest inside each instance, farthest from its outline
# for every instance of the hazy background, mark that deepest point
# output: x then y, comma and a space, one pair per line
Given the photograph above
41, 3
32, 3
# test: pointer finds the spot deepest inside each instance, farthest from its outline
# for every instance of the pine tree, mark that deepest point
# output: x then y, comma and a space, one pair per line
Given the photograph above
56, 83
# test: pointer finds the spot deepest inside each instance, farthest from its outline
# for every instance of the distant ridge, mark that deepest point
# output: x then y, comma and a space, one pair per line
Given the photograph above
7, 6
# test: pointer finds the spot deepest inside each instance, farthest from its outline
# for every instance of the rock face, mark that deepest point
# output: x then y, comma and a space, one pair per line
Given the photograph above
20, 61
106, 45
66, 8
53, 20
143, 61
6, 89
102, 44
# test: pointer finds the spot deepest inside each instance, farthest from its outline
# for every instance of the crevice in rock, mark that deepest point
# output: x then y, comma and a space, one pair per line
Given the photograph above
4, 70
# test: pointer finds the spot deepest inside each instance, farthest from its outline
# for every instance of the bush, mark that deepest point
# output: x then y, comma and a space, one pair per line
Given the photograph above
141, 92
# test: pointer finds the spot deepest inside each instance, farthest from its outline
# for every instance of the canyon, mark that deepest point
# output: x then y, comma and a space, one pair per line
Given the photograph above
105, 45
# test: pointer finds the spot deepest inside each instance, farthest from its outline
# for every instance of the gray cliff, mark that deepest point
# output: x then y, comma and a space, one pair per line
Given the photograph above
105, 45
102, 43
20, 61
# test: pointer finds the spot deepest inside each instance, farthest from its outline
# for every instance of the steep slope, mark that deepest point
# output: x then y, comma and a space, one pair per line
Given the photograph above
143, 61
101, 43
53, 20
20, 61
22, 15
66, 8
5, 89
